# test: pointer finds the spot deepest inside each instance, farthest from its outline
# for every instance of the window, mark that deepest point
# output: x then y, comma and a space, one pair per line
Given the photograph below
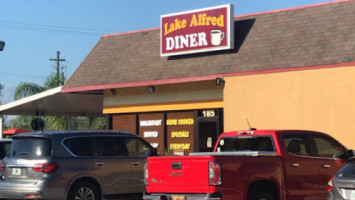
80, 146
246, 144
297, 144
109, 146
4, 147
30, 147
349, 169
97, 146
329, 148
137, 147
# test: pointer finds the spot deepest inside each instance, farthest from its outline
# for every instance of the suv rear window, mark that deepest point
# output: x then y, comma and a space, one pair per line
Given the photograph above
245, 144
30, 147
108, 146
349, 169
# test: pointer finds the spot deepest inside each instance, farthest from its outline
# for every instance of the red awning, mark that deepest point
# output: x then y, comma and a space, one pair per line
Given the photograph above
14, 131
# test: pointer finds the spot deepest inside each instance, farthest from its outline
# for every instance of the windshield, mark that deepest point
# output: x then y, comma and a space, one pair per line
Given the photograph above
245, 144
30, 147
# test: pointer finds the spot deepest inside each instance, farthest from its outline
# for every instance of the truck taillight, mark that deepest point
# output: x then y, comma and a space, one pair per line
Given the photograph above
45, 167
146, 175
330, 184
215, 175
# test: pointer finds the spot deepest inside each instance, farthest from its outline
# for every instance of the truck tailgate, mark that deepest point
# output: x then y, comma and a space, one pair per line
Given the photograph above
181, 174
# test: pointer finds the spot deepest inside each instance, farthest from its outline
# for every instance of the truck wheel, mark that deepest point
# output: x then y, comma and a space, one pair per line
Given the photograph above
260, 195
84, 190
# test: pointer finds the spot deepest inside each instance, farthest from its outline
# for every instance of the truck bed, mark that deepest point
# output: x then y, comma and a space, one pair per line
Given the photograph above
190, 174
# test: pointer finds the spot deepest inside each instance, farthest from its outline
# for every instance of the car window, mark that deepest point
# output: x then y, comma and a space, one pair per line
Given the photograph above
80, 146
137, 147
30, 147
329, 148
348, 170
4, 147
297, 144
109, 146
246, 144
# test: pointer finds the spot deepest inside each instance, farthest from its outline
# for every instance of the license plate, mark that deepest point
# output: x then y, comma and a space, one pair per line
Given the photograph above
16, 171
177, 197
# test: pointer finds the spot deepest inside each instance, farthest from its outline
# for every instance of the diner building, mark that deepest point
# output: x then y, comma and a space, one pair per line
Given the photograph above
286, 69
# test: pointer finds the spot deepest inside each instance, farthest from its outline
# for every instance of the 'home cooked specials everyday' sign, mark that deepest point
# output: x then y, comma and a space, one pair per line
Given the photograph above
195, 31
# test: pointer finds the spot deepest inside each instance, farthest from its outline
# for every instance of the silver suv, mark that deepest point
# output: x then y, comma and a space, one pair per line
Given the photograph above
342, 185
74, 165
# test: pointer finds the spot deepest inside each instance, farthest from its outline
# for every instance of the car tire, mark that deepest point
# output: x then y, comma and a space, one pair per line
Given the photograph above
260, 195
84, 190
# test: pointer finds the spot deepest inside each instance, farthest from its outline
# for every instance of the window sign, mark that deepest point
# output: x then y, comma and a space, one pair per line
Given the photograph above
180, 132
151, 128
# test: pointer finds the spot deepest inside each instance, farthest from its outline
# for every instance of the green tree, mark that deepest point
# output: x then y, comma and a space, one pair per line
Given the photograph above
23, 122
52, 81
26, 89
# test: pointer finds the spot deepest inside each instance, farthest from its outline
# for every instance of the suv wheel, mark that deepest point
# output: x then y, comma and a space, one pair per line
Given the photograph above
84, 190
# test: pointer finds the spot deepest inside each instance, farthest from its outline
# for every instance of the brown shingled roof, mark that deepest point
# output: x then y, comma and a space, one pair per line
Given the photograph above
307, 36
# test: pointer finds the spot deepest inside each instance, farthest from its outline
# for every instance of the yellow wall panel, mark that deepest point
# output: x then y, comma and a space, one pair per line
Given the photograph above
321, 100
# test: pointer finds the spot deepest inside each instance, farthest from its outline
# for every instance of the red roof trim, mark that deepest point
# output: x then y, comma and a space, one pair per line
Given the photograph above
141, 83
239, 16
198, 78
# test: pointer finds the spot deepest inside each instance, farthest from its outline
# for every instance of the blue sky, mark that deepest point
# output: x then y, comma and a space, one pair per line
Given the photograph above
34, 30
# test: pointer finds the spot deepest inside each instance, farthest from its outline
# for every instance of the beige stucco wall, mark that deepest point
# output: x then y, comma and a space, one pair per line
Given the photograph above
319, 99
168, 97
181, 92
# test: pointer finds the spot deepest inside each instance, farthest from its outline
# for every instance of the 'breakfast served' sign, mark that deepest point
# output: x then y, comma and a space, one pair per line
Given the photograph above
201, 30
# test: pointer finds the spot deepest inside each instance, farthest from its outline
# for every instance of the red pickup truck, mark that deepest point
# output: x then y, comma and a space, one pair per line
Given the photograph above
251, 165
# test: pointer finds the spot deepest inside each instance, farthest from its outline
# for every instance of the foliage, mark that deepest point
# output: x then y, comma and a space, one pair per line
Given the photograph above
56, 123
80, 123
23, 122
100, 123
59, 123
51, 122
26, 89
53, 80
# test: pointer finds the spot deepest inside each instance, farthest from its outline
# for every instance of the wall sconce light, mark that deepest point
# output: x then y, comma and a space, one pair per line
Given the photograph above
113, 92
151, 89
219, 81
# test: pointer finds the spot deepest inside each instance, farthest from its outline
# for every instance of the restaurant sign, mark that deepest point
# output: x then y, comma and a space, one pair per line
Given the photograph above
195, 31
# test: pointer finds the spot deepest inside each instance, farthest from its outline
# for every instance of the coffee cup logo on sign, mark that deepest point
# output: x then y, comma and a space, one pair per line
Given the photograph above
216, 37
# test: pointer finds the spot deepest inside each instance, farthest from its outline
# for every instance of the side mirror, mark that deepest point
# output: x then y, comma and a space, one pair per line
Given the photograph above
339, 156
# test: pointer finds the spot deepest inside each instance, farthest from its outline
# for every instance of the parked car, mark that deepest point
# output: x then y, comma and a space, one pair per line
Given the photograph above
250, 165
4, 147
342, 185
74, 165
